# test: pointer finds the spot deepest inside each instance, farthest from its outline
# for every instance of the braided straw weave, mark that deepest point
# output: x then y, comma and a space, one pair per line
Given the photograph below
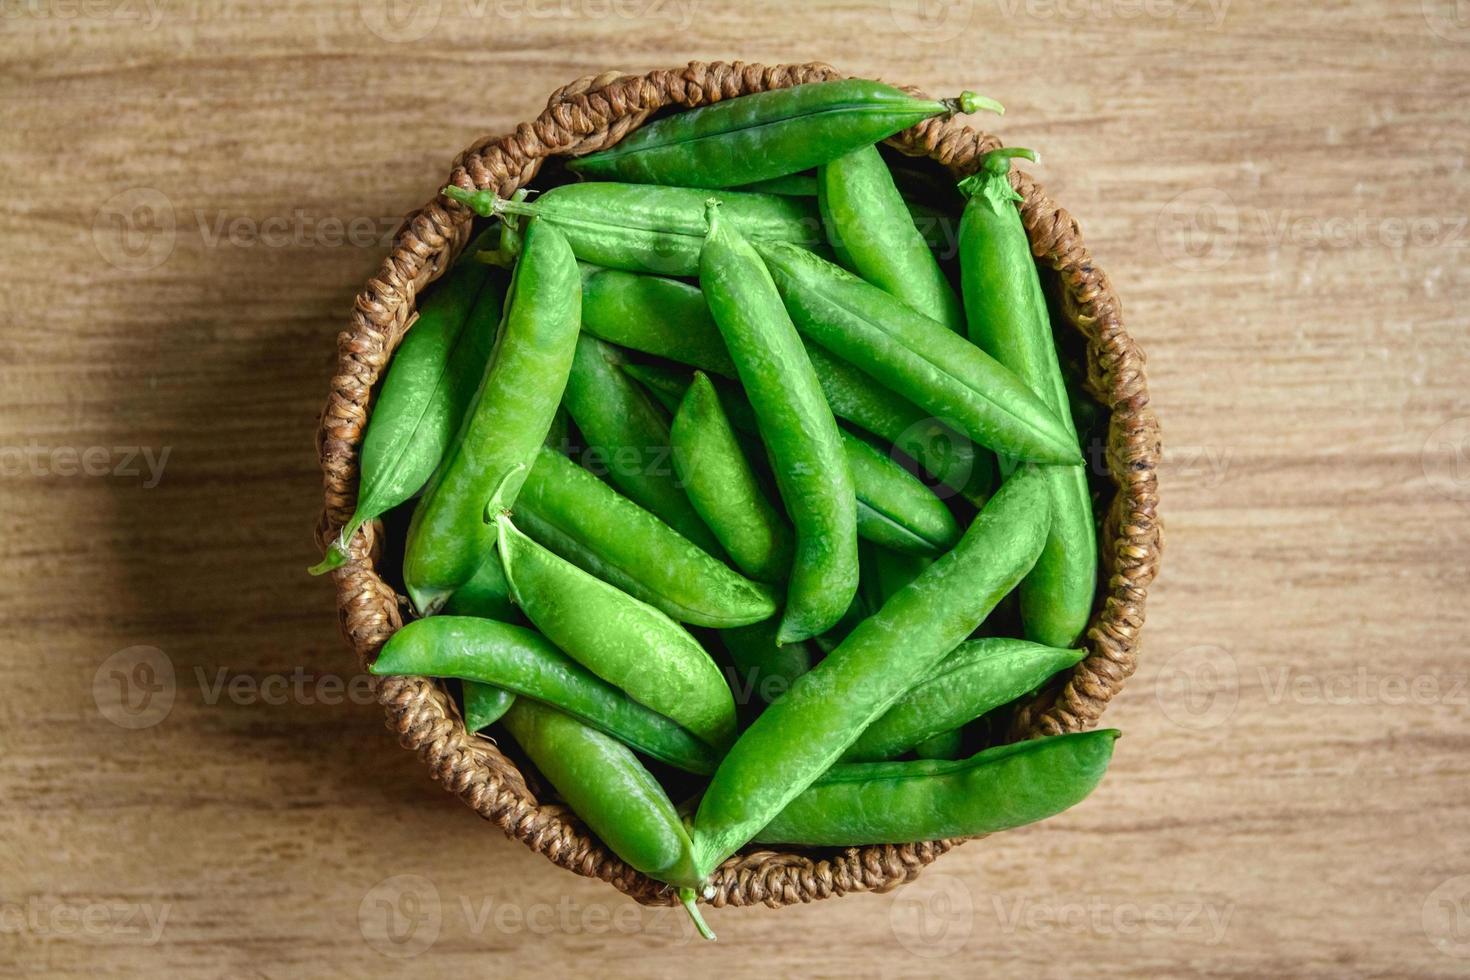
596, 112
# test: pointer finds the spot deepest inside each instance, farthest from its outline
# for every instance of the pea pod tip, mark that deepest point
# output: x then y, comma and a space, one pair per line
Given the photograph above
975, 102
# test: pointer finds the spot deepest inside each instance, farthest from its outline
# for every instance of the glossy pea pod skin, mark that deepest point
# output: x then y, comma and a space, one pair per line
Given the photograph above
873, 234
428, 386
800, 736
572, 512
448, 537
626, 642
918, 357
526, 663
670, 319
1009, 319
768, 134
627, 438
797, 427
900, 802
608, 788
978, 676
484, 705
724, 488
645, 228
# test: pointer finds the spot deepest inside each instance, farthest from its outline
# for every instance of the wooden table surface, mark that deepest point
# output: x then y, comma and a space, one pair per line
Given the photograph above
194, 192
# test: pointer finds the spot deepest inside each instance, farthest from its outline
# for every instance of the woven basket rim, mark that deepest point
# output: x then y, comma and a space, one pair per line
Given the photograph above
598, 111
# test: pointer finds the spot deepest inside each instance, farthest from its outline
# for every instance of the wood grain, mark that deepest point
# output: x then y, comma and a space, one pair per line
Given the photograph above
194, 193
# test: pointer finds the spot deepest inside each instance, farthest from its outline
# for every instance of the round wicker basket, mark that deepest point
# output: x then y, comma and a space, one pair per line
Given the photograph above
596, 112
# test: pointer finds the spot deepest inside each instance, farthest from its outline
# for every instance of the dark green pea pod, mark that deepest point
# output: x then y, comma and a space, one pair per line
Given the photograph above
430, 382
614, 795
668, 318
627, 438
893, 507
724, 488
978, 676
791, 185
870, 229
525, 663
1009, 319
797, 427
768, 134
448, 537
484, 705
799, 737
945, 745
643, 228
591, 525
626, 642
765, 669
901, 802
919, 358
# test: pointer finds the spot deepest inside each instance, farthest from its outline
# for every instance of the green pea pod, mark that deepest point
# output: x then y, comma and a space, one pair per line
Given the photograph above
525, 663
587, 522
484, 705
429, 384
627, 643
644, 228
627, 435
724, 489
448, 537
873, 234
885, 571
978, 676
945, 745
799, 737
902, 802
768, 134
765, 669
669, 318
797, 427
917, 357
893, 507
937, 227
792, 185
1009, 319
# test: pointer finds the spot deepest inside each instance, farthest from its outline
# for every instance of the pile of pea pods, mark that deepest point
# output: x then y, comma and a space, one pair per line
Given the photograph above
723, 492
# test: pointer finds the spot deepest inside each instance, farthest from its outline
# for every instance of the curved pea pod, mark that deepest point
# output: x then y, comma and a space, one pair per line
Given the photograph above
525, 663
918, 357
873, 234
765, 669
627, 435
894, 509
448, 537
901, 802
430, 382
978, 676
587, 522
608, 788
671, 319
484, 705
768, 134
800, 736
797, 427
1009, 319
724, 488
644, 228
627, 643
